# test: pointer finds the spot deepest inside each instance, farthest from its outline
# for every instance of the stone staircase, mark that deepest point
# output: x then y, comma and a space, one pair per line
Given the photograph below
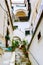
7, 58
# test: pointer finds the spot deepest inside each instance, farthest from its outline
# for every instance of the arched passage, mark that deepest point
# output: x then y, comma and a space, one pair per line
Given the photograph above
20, 13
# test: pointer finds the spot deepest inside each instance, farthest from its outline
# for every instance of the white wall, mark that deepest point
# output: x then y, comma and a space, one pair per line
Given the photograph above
36, 47
35, 12
34, 3
20, 32
3, 16
15, 1
22, 25
3, 21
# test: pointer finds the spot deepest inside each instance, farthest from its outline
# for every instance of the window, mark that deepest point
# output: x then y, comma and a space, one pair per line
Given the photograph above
15, 27
8, 23
27, 32
39, 35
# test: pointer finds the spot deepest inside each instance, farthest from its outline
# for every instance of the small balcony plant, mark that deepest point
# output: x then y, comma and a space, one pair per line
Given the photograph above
7, 37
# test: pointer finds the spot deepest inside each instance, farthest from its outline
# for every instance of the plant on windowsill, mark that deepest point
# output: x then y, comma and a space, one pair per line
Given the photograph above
7, 37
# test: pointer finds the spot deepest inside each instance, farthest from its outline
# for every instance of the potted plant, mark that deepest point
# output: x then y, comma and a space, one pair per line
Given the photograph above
15, 44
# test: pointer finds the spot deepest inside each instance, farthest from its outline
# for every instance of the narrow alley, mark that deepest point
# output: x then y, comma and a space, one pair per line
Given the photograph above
21, 32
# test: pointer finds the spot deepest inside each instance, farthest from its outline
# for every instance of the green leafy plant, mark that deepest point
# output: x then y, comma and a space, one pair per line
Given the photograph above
15, 44
24, 42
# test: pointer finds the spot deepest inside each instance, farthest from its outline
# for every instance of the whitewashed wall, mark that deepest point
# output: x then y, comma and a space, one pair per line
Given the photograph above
1, 17
36, 47
20, 32
3, 20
